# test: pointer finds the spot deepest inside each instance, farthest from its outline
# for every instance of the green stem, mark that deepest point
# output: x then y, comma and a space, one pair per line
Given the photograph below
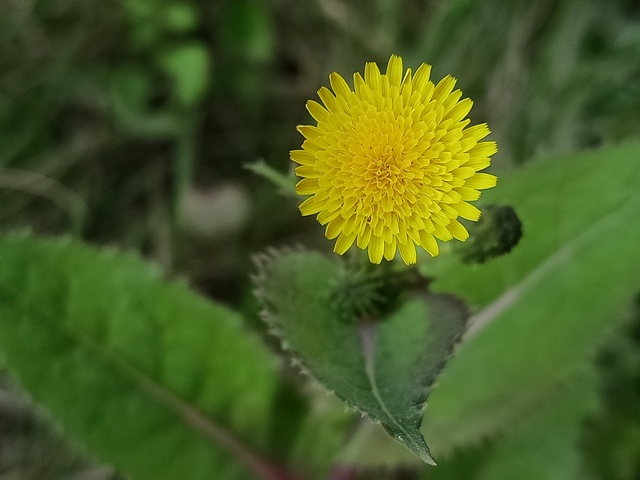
184, 160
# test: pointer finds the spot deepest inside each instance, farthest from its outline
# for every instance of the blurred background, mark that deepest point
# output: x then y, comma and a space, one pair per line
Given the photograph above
131, 123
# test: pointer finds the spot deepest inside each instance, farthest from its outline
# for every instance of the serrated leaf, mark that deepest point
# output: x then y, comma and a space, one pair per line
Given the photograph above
547, 304
149, 376
384, 368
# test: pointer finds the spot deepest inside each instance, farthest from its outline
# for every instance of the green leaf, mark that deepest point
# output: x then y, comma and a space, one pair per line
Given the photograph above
371, 449
546, 306
321, 434
383, 367
149, 376
545, 445
189, 67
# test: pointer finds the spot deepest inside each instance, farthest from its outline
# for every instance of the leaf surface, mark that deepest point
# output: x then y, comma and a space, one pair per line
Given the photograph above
545, 445
544, 308
384, 367
148, 375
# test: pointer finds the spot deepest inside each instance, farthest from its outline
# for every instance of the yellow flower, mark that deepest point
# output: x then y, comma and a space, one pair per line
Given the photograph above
392, 164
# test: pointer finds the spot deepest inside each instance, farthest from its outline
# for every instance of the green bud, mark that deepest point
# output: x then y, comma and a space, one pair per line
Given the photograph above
496, 233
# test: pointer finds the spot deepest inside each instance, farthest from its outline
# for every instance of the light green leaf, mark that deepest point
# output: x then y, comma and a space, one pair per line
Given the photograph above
545, 445
384, 367
371, 449
545, 307
189, 67
321, 435
149, 376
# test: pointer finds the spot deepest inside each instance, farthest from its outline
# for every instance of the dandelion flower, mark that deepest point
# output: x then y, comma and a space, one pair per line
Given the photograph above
393, 163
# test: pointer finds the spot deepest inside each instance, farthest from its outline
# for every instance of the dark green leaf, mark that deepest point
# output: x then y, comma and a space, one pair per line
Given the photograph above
384, 367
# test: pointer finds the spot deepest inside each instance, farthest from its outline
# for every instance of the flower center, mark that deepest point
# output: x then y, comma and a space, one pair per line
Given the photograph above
383, 171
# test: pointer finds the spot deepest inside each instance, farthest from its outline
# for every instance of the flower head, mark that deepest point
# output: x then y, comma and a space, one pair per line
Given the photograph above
393, 163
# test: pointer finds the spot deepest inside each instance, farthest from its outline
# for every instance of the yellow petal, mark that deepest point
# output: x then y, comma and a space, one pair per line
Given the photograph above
484, 149
307, 171
394, 70
478, 163
358, 83
421, 77
477, 132
444, 88
309, 131
408, 252
481, 181
334, 227
343, 243
364, 237
317, 111
442, 233
376, 249
390, 249
468, 211
372, 78
339, 85
451, 101
458, 231
429, 243
302, 157
460, 110
328, 99
326, 216
311, 206
468, 194
307, 186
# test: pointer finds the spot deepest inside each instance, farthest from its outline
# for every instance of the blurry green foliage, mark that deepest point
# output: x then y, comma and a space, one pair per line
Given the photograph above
611, 437
188, 66
248, 31
152, 20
